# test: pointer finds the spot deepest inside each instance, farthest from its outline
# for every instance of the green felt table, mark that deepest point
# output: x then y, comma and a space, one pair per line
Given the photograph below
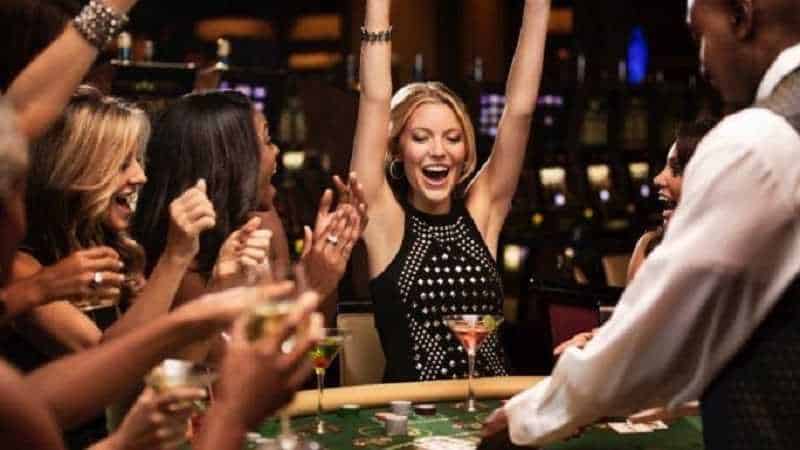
363, 431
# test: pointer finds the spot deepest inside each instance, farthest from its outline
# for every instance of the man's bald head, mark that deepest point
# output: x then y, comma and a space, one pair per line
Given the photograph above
739, 39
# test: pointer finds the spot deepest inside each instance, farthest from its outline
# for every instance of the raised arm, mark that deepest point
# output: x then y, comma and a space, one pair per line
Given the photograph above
489, 198
372, 127
190, 214
41, 91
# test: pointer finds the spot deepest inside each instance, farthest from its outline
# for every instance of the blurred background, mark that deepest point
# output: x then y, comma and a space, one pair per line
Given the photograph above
619, 76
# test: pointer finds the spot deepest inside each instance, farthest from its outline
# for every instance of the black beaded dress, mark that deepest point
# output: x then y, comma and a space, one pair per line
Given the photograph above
443, 267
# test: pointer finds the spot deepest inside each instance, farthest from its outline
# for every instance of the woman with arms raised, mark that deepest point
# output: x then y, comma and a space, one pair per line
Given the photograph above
431, 240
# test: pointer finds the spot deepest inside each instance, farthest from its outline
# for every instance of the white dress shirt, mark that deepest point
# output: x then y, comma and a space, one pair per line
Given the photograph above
731, 249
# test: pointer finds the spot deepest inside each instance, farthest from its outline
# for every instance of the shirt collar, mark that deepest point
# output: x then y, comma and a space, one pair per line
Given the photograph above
784, 64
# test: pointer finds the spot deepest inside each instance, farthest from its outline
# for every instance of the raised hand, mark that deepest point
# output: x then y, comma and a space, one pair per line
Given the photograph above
156, 421
190, 214
261, 370
327, 248
245, 251
353, 193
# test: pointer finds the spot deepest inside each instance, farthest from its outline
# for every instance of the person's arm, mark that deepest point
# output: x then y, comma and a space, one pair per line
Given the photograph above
26, 423
156, 421
79, 386
729, 253
489, 196
32, 286
372, 127
190, 214
327, 249
638, 256
259, 370
42, 90
279, 245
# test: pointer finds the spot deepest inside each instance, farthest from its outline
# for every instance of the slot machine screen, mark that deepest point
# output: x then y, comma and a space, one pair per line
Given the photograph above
491, 108
257, 92
640, 175
264, 88
554, 184
599, 176
550, 120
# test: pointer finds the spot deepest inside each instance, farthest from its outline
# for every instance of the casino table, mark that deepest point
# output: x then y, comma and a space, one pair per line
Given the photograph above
360, 429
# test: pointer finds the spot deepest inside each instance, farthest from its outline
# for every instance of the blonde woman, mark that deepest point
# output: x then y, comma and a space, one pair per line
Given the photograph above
85, 175
432, 239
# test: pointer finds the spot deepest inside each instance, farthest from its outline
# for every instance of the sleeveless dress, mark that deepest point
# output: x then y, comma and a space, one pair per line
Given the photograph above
443, 267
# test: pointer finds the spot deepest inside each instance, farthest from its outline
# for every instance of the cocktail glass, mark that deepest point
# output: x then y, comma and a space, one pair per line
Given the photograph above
472, 330
322, 355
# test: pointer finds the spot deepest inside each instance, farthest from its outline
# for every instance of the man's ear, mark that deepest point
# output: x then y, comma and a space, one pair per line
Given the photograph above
742, 18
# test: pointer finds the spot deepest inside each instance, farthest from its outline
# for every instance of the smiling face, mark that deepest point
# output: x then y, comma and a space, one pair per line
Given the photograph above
123, 202
432, 151
725, 55
669, 182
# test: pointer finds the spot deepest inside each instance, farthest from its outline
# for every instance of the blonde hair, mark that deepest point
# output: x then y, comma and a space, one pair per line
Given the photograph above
13, 152
74, 171
410, 97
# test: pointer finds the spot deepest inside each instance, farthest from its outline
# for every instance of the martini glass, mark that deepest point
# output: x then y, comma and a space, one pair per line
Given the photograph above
322, 356
472, 330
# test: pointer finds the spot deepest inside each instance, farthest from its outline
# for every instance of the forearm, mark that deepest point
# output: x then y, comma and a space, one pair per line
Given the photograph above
79, 386
372, 126
221, 430
156, 297
525, 74
375, 71
18, 298
40, 92
522, 91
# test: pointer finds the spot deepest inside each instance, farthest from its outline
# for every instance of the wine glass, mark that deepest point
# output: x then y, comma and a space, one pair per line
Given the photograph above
322, 355
472, 330
177, 373
267, 319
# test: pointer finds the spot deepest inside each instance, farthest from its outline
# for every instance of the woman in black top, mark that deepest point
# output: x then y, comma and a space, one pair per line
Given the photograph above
431, 251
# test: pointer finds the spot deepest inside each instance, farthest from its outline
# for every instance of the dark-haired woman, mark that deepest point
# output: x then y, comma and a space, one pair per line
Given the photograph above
219, 136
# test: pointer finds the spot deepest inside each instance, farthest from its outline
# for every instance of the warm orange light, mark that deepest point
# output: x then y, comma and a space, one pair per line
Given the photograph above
240, 27
318, 27
562, 21
313, 60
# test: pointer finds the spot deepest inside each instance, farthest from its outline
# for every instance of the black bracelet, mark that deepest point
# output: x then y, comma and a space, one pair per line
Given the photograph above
376, 36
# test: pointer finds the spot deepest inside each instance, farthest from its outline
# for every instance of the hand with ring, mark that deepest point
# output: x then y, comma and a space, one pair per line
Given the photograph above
96, 271
327, 248
97, 280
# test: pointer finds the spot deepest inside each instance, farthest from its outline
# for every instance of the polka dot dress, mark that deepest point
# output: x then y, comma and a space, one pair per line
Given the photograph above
443, 267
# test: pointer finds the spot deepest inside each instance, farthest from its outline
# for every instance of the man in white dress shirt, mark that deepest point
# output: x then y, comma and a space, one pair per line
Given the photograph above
704, 309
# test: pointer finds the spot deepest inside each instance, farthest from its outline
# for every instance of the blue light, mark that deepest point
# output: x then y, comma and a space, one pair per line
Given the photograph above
638, 56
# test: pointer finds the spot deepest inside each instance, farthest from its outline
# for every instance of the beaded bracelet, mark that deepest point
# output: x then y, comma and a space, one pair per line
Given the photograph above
98, 23
376, 36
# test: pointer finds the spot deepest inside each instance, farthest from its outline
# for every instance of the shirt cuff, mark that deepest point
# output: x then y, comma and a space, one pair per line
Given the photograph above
528, 422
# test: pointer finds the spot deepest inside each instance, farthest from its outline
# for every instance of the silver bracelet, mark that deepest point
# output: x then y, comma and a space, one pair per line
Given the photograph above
99, 24
376, 36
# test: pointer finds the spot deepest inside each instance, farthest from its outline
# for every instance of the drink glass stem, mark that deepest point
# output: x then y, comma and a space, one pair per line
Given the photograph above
320, 388
470, 392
